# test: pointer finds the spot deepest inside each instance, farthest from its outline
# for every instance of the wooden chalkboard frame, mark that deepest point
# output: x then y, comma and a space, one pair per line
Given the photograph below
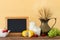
27, 19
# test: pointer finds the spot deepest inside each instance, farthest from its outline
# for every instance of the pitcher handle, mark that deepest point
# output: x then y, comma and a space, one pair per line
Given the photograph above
54, 23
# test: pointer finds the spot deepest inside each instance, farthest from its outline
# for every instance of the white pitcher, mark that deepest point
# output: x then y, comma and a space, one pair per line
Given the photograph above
34, 28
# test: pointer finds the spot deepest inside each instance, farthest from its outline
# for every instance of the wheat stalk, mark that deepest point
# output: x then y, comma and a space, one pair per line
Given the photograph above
45, 13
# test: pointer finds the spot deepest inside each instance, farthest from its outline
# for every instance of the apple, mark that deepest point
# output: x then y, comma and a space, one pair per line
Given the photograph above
35, 35
43, 35
5, 30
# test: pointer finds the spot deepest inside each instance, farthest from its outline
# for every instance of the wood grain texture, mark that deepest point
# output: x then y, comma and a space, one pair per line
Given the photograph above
33, 38
18, 36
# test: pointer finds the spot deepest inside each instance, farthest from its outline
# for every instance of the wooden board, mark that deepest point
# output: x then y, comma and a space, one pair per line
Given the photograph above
32, 38
14, 34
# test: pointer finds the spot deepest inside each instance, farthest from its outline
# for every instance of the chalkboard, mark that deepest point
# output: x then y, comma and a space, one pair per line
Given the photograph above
16, 25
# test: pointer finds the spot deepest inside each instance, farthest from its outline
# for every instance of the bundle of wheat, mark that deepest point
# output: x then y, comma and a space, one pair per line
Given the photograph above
45, 13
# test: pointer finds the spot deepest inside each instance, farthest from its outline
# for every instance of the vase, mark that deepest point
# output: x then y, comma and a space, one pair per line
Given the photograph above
45, 28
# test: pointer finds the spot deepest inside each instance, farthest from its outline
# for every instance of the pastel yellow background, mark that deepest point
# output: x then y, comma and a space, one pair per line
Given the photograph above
28, 8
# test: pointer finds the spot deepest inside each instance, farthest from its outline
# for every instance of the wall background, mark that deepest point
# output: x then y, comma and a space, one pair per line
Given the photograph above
29, 8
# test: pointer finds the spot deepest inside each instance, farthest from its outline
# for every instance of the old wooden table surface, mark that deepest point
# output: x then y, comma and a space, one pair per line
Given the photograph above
17, 36
26, 38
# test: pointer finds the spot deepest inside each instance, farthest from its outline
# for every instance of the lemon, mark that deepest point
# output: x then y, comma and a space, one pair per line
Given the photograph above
27, 33
31, 33
24, 33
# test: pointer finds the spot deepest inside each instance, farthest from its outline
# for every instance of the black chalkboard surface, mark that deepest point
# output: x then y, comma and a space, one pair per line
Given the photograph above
16, 25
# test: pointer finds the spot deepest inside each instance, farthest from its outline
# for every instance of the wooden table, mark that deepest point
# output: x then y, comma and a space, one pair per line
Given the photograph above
17, 36
26, 38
